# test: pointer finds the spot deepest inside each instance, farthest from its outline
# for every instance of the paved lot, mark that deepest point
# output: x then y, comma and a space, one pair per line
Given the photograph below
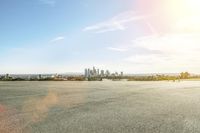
100, 107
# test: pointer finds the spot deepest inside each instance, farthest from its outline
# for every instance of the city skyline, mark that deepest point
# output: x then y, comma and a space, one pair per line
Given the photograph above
96, 72
133, 36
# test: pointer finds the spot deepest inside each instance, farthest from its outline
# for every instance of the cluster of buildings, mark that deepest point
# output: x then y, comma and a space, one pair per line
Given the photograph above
5, 77
91, 73
29, 77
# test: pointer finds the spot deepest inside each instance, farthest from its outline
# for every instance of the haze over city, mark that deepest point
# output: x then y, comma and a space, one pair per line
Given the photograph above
133, 36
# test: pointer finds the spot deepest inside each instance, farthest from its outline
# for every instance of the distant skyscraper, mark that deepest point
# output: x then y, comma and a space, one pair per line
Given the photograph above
97, 72
116, 73
39, 76
89, 74
86, 73
107, 73
94, 71
102, 73
7, 76
122, 74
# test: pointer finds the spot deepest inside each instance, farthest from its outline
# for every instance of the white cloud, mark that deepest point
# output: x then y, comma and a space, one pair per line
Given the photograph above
188, 24
178, 52
171, 43
57, 39
48, 2
117, 49
118, 22
144, 59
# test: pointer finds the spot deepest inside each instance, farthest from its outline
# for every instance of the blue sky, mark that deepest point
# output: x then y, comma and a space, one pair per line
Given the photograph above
58, 36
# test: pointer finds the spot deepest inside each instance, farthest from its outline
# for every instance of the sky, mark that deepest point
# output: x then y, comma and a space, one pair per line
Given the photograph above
134, 36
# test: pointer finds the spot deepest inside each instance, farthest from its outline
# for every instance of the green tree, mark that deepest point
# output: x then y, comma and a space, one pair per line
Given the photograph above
184, 75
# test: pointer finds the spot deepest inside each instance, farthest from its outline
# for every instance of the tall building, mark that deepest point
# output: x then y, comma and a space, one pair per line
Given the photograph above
91, 73
39, 76
107, 73
122, 74
102, 73
7, 76
97, 72
86, 73
94, 71
116, 74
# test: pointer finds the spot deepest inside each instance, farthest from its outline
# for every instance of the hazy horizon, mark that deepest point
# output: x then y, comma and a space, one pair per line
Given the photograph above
133, 36
82, 73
